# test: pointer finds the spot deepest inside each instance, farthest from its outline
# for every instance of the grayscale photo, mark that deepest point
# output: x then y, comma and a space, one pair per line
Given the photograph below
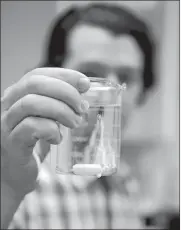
90, 115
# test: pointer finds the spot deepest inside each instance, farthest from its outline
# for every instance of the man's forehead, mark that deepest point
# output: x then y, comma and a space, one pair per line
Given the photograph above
88, 41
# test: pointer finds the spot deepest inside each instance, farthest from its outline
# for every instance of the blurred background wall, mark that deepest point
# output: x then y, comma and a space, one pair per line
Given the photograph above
24, 25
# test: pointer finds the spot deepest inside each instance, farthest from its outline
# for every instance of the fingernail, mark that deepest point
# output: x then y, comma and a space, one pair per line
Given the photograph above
84, 106
78, 120
83, 84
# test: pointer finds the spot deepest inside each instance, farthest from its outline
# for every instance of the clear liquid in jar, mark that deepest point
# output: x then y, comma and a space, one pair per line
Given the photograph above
96, 142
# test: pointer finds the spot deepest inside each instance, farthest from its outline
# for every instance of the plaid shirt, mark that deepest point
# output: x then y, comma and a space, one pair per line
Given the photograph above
77, 202
74, 202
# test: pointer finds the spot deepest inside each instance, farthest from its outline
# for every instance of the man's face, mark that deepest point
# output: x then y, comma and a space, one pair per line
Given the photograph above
98, 53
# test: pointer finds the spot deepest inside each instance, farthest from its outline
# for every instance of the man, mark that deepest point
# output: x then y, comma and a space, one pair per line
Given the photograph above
97, 41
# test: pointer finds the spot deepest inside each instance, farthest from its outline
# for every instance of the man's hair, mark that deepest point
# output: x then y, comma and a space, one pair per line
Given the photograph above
116, 19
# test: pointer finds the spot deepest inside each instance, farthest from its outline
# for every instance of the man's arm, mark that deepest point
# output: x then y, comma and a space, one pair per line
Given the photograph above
9, 204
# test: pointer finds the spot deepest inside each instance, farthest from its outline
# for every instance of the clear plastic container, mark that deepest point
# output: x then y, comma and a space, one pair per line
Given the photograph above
93, 148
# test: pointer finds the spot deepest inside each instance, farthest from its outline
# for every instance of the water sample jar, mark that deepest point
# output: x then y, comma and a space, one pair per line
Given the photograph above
93, 148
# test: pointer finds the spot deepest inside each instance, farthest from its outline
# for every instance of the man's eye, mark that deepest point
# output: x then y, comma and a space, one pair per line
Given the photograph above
91, 74
124, 78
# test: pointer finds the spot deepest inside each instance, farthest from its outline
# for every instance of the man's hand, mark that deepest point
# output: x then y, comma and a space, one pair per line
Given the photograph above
32, 110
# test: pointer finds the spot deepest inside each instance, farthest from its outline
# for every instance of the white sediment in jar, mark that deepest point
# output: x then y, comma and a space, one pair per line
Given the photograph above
92, 170
87, 169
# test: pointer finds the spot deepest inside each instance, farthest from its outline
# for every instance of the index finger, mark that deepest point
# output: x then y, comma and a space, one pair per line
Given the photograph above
20, 89
76, 79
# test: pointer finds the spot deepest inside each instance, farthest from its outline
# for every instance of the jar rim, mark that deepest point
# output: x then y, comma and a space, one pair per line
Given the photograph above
108, 82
